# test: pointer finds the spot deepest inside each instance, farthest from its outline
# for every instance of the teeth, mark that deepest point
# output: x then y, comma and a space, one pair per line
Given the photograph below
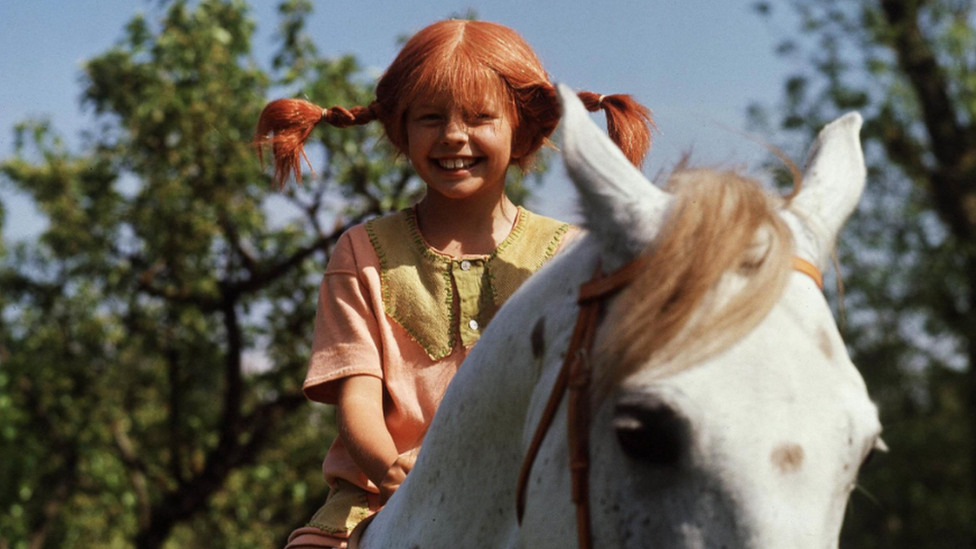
455, 163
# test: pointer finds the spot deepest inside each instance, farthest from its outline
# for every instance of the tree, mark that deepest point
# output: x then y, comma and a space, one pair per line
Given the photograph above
130, 411
909, 256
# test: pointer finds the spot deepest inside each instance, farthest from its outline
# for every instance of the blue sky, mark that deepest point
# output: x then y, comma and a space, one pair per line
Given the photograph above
697, 64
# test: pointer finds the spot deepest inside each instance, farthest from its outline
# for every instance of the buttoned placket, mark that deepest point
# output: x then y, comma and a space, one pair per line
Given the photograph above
469, 279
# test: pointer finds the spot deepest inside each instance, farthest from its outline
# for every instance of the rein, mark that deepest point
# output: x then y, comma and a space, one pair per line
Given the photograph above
575, 375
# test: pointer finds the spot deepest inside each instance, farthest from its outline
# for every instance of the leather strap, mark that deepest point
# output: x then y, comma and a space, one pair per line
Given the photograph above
809, 269
575, 375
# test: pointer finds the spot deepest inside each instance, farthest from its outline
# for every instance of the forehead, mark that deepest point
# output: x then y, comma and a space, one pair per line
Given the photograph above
789, 381
473, 88
445, 102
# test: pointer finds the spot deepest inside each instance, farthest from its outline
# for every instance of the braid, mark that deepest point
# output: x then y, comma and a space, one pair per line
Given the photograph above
341, 117
628, 122
286, 124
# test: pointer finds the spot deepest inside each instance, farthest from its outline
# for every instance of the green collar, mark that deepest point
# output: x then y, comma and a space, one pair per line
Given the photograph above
437, 298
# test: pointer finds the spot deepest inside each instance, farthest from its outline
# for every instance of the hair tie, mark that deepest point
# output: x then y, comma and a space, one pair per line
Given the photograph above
599, 102
325, 114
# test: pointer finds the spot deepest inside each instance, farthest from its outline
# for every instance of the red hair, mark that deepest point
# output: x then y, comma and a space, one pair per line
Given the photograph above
469, 63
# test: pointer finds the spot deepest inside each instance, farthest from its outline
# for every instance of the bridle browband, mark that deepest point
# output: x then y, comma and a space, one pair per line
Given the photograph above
575, 375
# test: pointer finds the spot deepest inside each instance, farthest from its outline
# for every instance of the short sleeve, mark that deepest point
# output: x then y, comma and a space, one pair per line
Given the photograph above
346, 341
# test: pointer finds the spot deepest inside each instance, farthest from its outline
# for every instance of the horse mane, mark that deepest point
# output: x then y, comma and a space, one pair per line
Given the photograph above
684, 307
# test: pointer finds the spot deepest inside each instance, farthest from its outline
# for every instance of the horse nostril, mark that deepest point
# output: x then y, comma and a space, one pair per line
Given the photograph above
649, 429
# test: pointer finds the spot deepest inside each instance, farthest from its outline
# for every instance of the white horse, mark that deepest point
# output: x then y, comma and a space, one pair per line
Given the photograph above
728, 414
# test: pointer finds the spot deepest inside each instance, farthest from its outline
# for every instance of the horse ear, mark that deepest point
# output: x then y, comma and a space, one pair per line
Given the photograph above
620, 206
832, 186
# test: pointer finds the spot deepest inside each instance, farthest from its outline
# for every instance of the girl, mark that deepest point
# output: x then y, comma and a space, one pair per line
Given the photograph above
405, 296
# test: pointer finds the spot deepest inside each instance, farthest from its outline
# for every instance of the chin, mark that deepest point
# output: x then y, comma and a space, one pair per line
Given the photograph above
456, 192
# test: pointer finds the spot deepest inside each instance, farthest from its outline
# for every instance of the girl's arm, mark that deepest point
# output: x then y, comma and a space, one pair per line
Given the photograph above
362, 427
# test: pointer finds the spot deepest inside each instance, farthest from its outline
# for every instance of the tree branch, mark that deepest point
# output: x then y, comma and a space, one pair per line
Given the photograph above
234, 238
918, 61
204, 302
175, 408
265, 275
952, 184
57, 487
192, 496
903, 150
66, 481
136, 469
233, 382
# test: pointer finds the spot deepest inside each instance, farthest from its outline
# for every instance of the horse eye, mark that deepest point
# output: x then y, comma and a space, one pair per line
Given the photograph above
650, 430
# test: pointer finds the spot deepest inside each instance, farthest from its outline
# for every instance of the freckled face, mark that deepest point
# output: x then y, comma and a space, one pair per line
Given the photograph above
459, 152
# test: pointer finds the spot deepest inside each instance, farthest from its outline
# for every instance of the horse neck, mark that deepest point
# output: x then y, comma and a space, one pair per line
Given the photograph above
467, 471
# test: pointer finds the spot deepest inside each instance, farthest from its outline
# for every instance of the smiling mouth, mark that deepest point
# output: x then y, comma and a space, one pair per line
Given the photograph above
456, 163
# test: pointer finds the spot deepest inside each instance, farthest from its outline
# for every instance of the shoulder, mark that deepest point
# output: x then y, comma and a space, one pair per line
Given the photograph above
366, 245
539, 221
537, 226
392, 220
545, 233
352, 252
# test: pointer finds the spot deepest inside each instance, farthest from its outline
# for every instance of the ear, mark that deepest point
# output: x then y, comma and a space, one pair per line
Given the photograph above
620, 206
832, 186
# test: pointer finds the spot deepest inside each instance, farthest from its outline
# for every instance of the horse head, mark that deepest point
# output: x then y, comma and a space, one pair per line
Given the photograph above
728, 412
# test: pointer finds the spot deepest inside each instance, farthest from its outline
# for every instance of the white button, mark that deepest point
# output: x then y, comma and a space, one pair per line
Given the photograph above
473, 324
465, 265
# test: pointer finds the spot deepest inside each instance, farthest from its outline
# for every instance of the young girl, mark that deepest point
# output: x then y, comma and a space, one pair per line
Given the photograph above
405, 296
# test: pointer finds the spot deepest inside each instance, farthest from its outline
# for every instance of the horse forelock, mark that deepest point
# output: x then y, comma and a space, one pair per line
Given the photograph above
679, 312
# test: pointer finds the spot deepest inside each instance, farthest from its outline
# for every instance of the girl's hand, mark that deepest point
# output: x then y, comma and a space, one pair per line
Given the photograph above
394, 477
396, 473
363, 428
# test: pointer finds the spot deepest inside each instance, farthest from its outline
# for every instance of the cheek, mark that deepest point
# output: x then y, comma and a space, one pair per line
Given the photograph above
417, 141
503, 140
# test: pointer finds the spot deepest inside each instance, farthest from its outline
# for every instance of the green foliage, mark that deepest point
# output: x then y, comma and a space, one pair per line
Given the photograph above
154, 337
909, 253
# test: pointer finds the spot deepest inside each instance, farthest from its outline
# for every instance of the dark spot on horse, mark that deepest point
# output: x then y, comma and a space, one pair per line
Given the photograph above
823, 341
538, 338
787, 457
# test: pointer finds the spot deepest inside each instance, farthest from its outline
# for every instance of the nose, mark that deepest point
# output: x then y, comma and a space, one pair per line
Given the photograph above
650, 429
455, 131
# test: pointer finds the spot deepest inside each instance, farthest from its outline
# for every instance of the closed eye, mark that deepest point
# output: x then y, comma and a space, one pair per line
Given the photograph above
482, 118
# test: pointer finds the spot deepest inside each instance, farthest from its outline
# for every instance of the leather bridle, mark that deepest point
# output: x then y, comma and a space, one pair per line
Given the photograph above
576, 374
